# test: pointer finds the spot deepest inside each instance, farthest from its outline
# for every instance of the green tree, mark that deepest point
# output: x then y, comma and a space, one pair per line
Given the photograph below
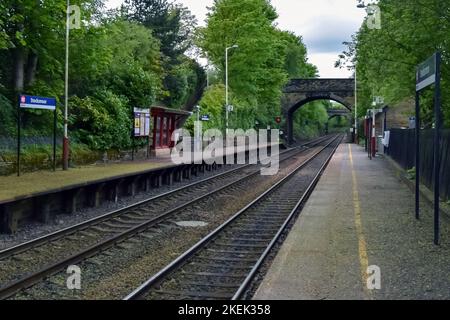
211, 104
173, 25
120, 56
259, 68
127, 73
296, 62
33, 58
35, 30
310, 120
102, 123
256, 68
387, 58
3, 35
115, 65
249, 24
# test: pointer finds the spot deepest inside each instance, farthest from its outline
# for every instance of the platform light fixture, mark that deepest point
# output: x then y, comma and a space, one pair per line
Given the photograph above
227, 106
66, 93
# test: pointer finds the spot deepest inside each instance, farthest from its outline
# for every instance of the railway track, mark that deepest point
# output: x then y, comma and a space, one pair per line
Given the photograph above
25, 265
224, 263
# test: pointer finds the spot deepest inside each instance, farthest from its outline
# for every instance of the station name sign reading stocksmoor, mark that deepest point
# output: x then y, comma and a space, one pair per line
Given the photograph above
33, 102
426, 73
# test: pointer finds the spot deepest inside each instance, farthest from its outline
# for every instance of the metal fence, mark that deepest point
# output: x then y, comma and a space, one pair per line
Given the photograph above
10, 143
402, 150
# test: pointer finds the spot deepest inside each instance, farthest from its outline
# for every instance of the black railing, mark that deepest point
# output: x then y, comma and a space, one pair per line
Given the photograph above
402, 150
10, 143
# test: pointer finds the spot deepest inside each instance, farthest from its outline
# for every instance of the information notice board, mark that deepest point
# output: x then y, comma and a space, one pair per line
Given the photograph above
141, 122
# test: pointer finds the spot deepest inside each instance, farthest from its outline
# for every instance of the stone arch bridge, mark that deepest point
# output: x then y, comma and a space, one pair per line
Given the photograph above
298, 92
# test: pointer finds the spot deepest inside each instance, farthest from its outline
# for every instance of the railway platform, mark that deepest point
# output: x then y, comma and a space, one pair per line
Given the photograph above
46, 180
35, 183
43, 195
358, 226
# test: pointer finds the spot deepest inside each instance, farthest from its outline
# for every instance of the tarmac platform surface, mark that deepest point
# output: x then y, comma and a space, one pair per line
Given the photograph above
360, 218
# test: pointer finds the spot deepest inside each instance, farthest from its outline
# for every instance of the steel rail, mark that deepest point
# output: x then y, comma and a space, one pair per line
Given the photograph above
25, 246
33, 278
247, 282
182, 259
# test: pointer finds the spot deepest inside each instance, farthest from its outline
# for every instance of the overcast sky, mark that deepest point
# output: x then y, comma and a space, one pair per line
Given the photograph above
324, 25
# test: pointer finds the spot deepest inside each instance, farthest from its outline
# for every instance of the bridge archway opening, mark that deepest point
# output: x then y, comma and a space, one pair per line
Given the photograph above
340, 120
299, 92
343, 111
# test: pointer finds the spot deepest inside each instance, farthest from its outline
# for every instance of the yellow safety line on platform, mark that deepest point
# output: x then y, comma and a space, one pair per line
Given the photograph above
363, 257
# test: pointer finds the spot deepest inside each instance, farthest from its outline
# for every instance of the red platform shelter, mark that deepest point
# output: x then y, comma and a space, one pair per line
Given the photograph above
165, 122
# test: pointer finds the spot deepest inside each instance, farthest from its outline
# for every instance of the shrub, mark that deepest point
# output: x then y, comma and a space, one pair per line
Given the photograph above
40, 157
7, 116
101, 123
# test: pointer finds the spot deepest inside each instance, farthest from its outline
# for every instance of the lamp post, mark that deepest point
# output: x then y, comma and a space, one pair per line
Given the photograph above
66, 93
198, 134
370, 12
356, 106
360, 5
226, 86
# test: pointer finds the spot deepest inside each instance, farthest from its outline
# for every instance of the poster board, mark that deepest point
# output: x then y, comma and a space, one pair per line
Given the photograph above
141, 122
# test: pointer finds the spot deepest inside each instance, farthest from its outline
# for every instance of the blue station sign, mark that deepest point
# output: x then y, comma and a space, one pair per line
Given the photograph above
205, 117
34, 102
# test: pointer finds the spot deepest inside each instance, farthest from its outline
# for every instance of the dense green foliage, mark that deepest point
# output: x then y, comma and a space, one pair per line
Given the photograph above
117, 62
126, 73
173, 25
265, 59
310, 120
411, 31
141, 55
295, 62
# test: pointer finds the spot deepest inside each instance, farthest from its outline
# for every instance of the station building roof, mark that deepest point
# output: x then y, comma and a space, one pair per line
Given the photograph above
164, 110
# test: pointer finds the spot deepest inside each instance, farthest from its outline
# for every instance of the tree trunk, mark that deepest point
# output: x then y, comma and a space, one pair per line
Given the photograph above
18, 65
30, 72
